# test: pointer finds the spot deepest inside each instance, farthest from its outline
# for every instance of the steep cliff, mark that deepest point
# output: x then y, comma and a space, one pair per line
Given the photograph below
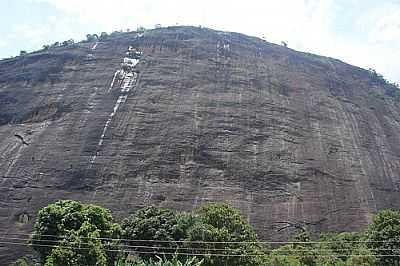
292, 139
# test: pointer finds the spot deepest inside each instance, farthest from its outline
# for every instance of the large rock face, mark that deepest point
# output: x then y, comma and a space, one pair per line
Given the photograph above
292, 139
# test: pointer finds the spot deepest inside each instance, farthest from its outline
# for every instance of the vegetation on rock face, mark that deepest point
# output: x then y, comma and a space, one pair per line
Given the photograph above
71, 233
390, 89
92, 37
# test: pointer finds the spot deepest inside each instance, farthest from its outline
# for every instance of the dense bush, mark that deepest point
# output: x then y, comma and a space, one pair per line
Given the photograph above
158, 261
222, 229
391, 90
71, 233
68, 229
160, 227
383, 236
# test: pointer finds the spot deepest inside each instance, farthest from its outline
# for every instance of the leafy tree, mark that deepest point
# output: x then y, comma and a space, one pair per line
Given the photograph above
383, 236
154, 224
362, 257
68, 42
81, 248
331, 249
70, 223
339, 247
103, 35
302, 251
223, 224
20, 262
174, 261
23, 52
283, 256
92, 37
343, 249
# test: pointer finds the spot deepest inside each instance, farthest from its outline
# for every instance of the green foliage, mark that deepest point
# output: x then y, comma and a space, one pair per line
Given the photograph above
393, 90
157, 224
222, 223
390, 89
376, 77
344, 249
332, 249
68, 42
20, 262
300, 252
339, 246
103, 35
92, 37
71, 233
174, 261
283, 256
71, 224
383, 236
210, 223
362, 257
151, 223
81, 248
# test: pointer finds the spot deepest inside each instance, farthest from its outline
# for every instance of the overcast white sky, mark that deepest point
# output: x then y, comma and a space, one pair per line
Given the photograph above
365, 33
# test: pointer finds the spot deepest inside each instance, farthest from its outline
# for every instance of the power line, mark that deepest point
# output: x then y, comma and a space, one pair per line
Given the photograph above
208, 242
197, 254
178, 247
199, 248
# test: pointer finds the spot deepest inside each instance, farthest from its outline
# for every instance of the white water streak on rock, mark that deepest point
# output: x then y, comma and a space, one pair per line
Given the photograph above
128, 82
112, 82
95, 45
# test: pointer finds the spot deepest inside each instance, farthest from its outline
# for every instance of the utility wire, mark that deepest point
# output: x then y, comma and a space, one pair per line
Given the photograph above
196, 248
210, 242
196, 254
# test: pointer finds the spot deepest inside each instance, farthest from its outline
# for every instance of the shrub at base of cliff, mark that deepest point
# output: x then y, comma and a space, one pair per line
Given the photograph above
234, 240
343, 248
172, 233
155, 230
158, 261
81, 248
331, 249
383, 237
70, 230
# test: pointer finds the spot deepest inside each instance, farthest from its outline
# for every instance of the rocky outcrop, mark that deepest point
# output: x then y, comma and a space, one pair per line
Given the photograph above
292, 139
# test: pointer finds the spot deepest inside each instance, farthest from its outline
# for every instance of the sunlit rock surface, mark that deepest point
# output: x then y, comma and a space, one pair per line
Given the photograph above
292, 139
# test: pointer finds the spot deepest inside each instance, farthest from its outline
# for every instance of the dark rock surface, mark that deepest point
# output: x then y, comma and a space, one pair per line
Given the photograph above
288, 137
